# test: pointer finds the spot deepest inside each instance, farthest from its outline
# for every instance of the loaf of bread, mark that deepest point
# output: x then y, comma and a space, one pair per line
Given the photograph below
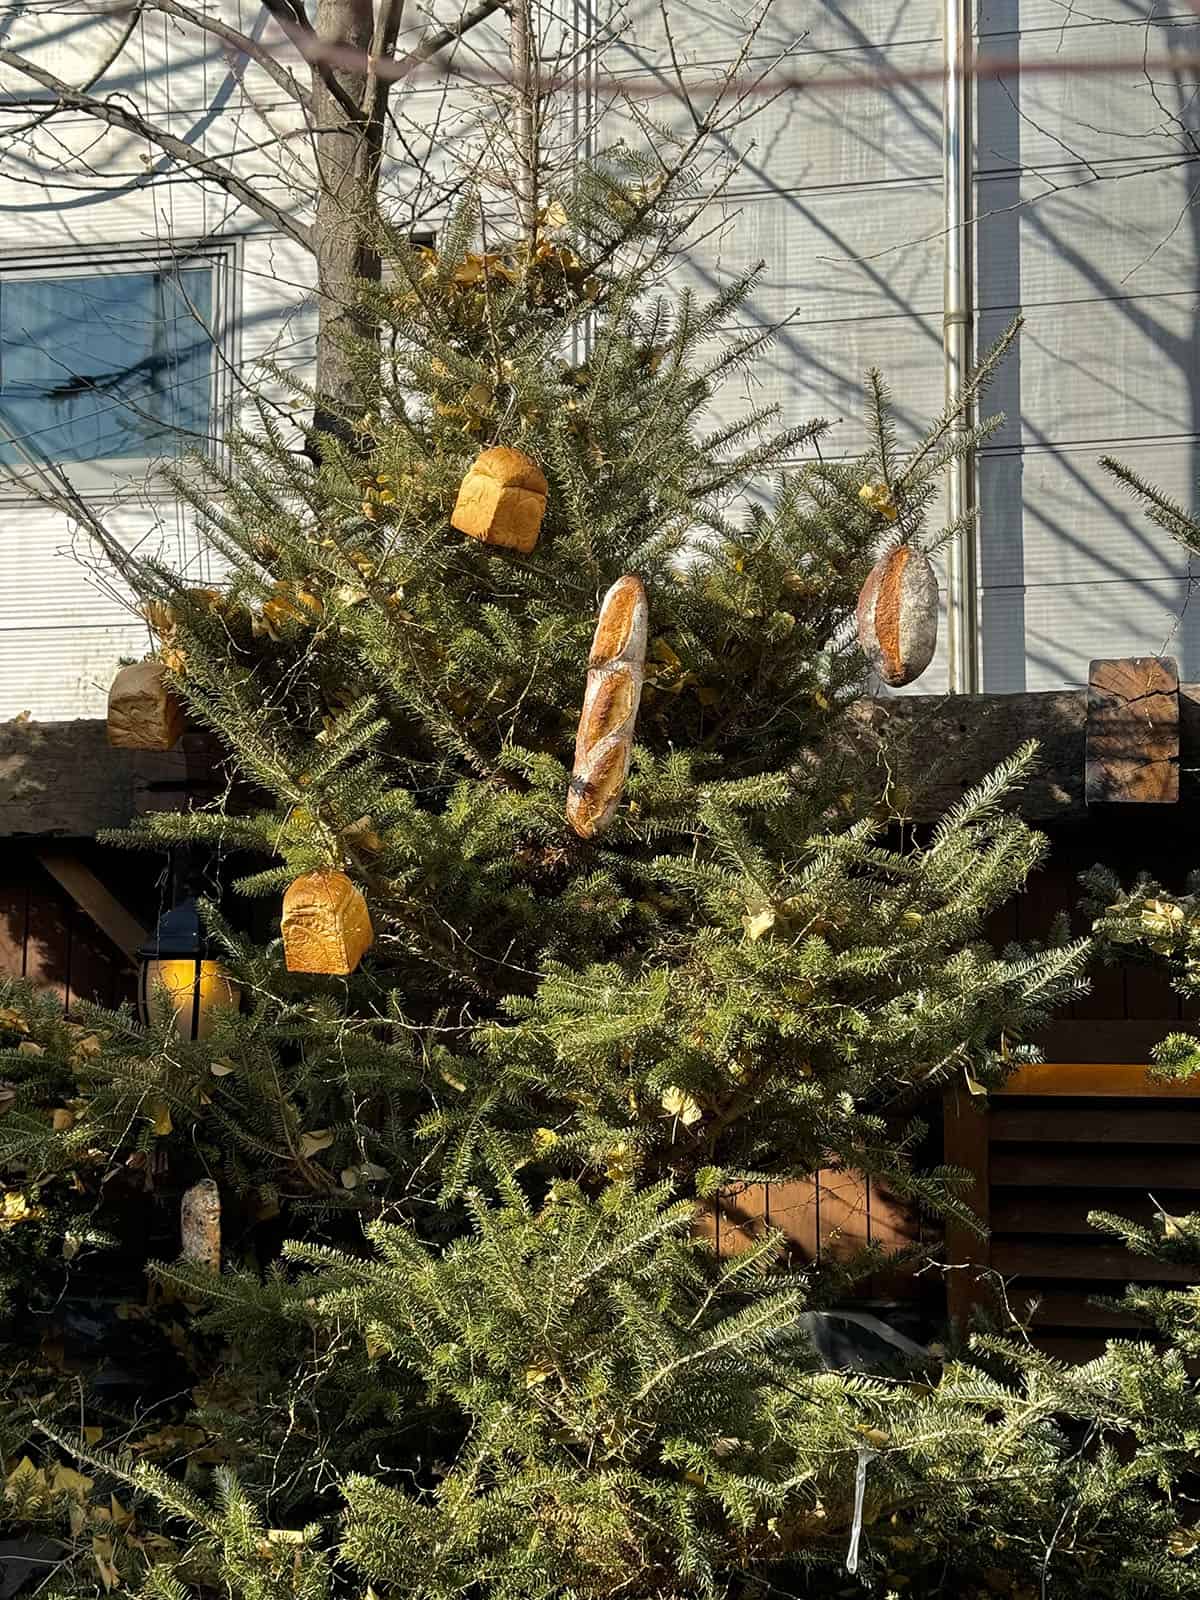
502, 500
200, 1224
898, 615
604, 743
143, 712
326, 926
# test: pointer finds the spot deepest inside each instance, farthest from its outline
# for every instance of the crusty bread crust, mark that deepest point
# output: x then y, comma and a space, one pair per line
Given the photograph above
326, 926
511, 468
502, 500
604, 743
898, 614
143, 713
888, 601
621, 628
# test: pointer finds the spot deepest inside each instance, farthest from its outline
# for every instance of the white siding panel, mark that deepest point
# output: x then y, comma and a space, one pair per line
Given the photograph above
57, 577
1099, 369
842, 315
819, 138
73, 42
818, 371
1051, 119
47, 202
1061, 17
1043, 637
278, 319
829, 256
164, 66
278, 300
710, 31
65, 618
1056, 516
1104, 235
59, 673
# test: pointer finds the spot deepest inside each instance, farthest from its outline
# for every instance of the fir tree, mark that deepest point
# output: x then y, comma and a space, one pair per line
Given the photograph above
469, 1340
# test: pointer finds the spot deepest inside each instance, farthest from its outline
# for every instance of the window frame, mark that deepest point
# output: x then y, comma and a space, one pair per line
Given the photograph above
109, 476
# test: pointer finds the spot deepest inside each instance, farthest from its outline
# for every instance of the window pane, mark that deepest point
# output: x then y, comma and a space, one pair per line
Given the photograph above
111, 365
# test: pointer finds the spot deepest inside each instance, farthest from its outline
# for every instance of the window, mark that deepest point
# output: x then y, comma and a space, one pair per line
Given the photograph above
111, 362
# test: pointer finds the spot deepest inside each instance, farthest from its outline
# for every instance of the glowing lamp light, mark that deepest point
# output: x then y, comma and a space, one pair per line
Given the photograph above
178, 978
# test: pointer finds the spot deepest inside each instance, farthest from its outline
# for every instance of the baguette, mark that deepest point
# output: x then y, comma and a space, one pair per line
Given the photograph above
604, 744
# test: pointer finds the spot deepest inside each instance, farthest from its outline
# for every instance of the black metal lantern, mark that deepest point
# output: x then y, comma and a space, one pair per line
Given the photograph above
178, 976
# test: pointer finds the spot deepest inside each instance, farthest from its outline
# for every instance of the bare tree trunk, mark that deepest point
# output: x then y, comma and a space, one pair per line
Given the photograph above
348, 148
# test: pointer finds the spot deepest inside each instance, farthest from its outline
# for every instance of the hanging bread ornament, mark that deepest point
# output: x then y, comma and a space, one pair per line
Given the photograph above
898, 615
502, 500
604, 743
143, 713
326, 926
200, 1224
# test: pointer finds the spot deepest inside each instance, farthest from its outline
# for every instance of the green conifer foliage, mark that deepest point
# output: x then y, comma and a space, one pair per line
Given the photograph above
469, 1340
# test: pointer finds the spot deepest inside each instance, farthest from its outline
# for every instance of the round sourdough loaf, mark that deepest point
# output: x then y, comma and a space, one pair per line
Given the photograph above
898, 615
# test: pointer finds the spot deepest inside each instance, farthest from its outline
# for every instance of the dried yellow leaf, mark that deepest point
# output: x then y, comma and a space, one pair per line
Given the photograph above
759, 923
315, 1141
102, 1554
67, 1481
15, 1207
678, 1104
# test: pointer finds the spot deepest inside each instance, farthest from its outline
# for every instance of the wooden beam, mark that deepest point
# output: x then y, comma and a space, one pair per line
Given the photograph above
1132, 739
1069, 1258
1109, 1123
1103, 1166
1125, 1079
933, 748
64, 780
105, 910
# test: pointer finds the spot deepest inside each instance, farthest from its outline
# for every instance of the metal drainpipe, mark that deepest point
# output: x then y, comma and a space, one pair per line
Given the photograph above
957, 329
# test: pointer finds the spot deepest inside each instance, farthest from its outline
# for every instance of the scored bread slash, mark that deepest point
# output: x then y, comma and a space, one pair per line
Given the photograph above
898, 615
604, 744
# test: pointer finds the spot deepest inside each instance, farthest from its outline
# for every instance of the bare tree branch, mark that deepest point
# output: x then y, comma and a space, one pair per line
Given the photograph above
135, 16
206, 167
238, 41
330, 53
292, 20
404, 66
383, 42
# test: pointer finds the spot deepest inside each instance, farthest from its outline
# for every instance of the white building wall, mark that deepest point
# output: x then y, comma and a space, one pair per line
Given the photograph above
1086, 226
1087, 198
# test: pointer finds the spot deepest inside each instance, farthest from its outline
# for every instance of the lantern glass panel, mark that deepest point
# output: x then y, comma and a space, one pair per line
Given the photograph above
190, 991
